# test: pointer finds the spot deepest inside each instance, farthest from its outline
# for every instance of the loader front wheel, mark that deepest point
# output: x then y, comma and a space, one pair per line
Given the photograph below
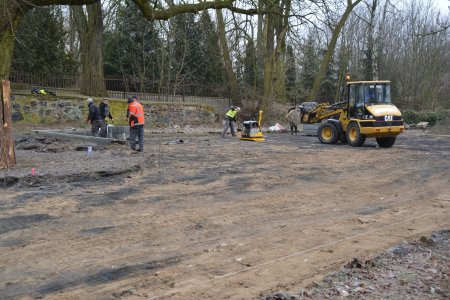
328, 133
354, 136
386, 142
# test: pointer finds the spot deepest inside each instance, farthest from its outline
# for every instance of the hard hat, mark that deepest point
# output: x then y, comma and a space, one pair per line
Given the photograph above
89, 100
238, 108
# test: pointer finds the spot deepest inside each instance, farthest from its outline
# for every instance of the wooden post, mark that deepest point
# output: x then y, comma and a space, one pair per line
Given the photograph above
7, 153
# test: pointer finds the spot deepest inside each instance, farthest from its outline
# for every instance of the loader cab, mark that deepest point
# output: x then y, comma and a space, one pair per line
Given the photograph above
366, 93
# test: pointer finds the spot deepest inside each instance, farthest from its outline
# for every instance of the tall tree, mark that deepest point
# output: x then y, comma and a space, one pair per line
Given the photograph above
41, 46
90, 30
291, 74
275, 31
336, 30
11, 13
250, 65
132, 50
227, 59
281, 30
182, 30
211, 67
369, 61
309, 63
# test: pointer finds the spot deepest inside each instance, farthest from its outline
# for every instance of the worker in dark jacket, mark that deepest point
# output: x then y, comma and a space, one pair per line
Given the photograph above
94, 118
230, 117
105, 113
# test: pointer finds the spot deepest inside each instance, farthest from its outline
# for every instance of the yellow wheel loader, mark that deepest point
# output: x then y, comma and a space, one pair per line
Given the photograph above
367, 112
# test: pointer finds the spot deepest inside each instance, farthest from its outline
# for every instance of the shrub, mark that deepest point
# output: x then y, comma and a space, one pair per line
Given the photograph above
432, 117
410, 117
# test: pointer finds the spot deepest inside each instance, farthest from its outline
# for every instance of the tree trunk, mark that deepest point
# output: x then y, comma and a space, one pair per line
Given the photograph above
281, 28
227, 60
90, 30
11, 12
269, 64
7, 154
330, 50
379, 42
371, 43
260, 46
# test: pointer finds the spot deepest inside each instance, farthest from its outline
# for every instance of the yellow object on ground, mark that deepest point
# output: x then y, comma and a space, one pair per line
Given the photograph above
252, 130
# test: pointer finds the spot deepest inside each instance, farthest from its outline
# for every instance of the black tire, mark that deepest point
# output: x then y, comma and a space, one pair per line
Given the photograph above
354, 136
386, 142
328, 133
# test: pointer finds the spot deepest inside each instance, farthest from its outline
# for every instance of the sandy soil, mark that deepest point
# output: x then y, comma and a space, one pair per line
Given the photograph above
210, 218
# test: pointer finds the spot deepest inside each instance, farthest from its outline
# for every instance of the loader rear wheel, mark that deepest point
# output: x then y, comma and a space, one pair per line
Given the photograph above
354, 136
386, 142
328, 133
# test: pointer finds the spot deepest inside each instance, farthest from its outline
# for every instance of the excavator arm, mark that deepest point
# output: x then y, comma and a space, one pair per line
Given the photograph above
321, 112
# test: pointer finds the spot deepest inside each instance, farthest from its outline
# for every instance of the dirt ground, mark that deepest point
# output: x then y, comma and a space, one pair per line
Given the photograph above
418, 269
200, 217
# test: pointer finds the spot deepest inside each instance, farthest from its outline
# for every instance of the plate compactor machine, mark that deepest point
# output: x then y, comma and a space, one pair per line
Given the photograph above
252, 130
367, 112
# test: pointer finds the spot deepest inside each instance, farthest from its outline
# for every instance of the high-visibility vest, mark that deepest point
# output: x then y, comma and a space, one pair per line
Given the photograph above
231, 113
136, 111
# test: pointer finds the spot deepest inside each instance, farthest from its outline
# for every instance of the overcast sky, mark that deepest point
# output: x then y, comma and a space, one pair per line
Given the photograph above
443, 5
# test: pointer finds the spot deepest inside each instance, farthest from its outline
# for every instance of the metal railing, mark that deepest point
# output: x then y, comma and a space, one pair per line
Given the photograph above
146, 90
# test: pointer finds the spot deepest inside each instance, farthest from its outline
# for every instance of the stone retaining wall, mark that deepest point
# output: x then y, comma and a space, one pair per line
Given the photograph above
49, 109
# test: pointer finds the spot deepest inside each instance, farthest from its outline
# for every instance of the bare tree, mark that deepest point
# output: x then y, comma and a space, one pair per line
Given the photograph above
336, 30
227, 58
89, 23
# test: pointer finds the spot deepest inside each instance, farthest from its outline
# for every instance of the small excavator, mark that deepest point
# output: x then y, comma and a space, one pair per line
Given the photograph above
367, 112
252, 130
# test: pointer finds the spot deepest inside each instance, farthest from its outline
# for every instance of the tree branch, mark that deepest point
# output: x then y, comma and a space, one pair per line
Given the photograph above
57, 2
152, 14
444, 28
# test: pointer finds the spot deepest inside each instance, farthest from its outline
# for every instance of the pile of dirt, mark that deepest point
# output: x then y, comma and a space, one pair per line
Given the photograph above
412, 270
441, 127
41, 144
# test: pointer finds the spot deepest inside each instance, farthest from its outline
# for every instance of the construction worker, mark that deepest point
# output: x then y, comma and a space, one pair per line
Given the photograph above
94, 118
105, 113
135, 117
293, 116
230, 117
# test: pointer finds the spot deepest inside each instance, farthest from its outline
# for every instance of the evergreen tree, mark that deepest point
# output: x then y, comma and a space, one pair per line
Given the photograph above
250, 65
309, 64
211, 68
367, 64
291, 74
41, 46
184, 52
132, 50
328, 87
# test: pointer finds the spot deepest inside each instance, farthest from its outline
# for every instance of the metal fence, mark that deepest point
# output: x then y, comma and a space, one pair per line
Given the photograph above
125, 87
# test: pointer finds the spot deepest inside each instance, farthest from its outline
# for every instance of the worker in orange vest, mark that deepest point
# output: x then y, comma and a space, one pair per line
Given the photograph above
135, 117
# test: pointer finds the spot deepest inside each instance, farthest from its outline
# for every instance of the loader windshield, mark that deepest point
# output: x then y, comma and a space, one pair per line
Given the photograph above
377, 93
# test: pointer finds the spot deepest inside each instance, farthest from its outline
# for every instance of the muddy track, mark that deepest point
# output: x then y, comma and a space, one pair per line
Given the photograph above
219, 219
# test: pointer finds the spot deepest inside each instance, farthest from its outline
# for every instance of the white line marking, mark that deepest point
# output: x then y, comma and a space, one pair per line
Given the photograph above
231, 274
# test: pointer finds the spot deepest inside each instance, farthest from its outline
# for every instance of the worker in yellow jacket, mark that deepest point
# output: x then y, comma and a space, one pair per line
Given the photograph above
230, 118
